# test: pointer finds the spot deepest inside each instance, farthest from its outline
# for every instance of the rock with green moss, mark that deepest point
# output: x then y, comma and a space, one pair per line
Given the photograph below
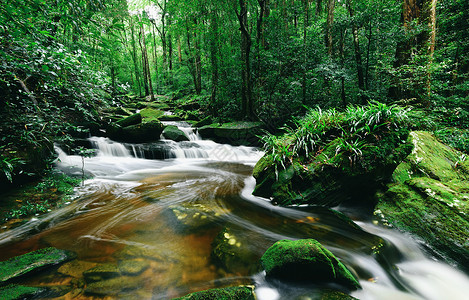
33, 261
141, 133
172, 132
430, 197
235, 133
228, 293
331, 177
14, 291
306, 261
130, 120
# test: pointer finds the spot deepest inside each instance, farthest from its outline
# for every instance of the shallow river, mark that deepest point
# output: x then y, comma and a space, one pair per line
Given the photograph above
189, 222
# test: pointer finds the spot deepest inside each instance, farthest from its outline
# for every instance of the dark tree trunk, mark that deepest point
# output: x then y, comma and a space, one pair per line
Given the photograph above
358, 56
246, 89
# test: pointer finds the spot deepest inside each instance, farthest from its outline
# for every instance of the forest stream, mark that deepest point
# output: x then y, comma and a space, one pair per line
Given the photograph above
190, 222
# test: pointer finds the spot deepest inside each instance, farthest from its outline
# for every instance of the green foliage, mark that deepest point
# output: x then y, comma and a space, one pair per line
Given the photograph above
51, 191
355, 130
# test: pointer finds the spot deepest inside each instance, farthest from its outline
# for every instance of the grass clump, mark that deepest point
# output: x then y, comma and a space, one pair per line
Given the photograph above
353, 132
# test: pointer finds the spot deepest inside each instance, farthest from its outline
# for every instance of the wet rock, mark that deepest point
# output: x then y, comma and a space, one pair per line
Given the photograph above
306, 261
235, 251
139, 133
114, 286
235, 292
33, 261
101, 272
132, 267
14, 291
235, 133
135, 252
174, 133
430, 197
189, 217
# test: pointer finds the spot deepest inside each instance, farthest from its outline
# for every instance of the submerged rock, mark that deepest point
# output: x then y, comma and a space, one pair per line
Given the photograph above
114, 286
306, 261
235, 251
174, 133
234, 292
193, 216
33, 261
430, 197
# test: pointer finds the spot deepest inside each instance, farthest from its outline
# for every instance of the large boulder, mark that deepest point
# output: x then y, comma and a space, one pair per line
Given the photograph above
429, 197
306, 261
33, 261
172, 132
139, 133
141, 127
234, 133
235, 292
331, 177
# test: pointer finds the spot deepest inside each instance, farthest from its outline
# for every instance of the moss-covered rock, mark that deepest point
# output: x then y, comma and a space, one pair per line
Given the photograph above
205, 121
150, 114
235, 133
14, 291
228, 293
172, 132
141, 133
33, 261
331, 177
130, 120
430, 197
306, 261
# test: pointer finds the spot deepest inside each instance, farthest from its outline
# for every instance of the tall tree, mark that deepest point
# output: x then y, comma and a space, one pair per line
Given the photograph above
247, 105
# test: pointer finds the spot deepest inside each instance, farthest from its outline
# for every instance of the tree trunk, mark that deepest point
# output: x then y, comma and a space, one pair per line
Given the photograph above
134, 58
329, 23
246, 89
358, 56
147, 73
214, 44
305, 56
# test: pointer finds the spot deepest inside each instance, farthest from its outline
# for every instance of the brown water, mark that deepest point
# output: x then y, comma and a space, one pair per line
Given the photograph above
185, 225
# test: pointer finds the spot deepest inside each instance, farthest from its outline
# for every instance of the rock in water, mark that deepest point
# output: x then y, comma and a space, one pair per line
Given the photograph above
172, 132
430, 197
13, 291
33, 261
306, 261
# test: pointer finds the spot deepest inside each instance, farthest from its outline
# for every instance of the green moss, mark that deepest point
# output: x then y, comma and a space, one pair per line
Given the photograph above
130, 120
13, 291
306, 260
150, 114
32, 261
228, 293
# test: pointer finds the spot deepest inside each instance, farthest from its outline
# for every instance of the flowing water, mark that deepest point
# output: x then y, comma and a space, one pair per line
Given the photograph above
188, 222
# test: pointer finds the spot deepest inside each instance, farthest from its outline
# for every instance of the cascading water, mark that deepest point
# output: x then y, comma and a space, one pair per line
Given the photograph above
167, 216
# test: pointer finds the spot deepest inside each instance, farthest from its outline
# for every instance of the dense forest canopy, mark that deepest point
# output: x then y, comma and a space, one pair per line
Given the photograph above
62, 62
